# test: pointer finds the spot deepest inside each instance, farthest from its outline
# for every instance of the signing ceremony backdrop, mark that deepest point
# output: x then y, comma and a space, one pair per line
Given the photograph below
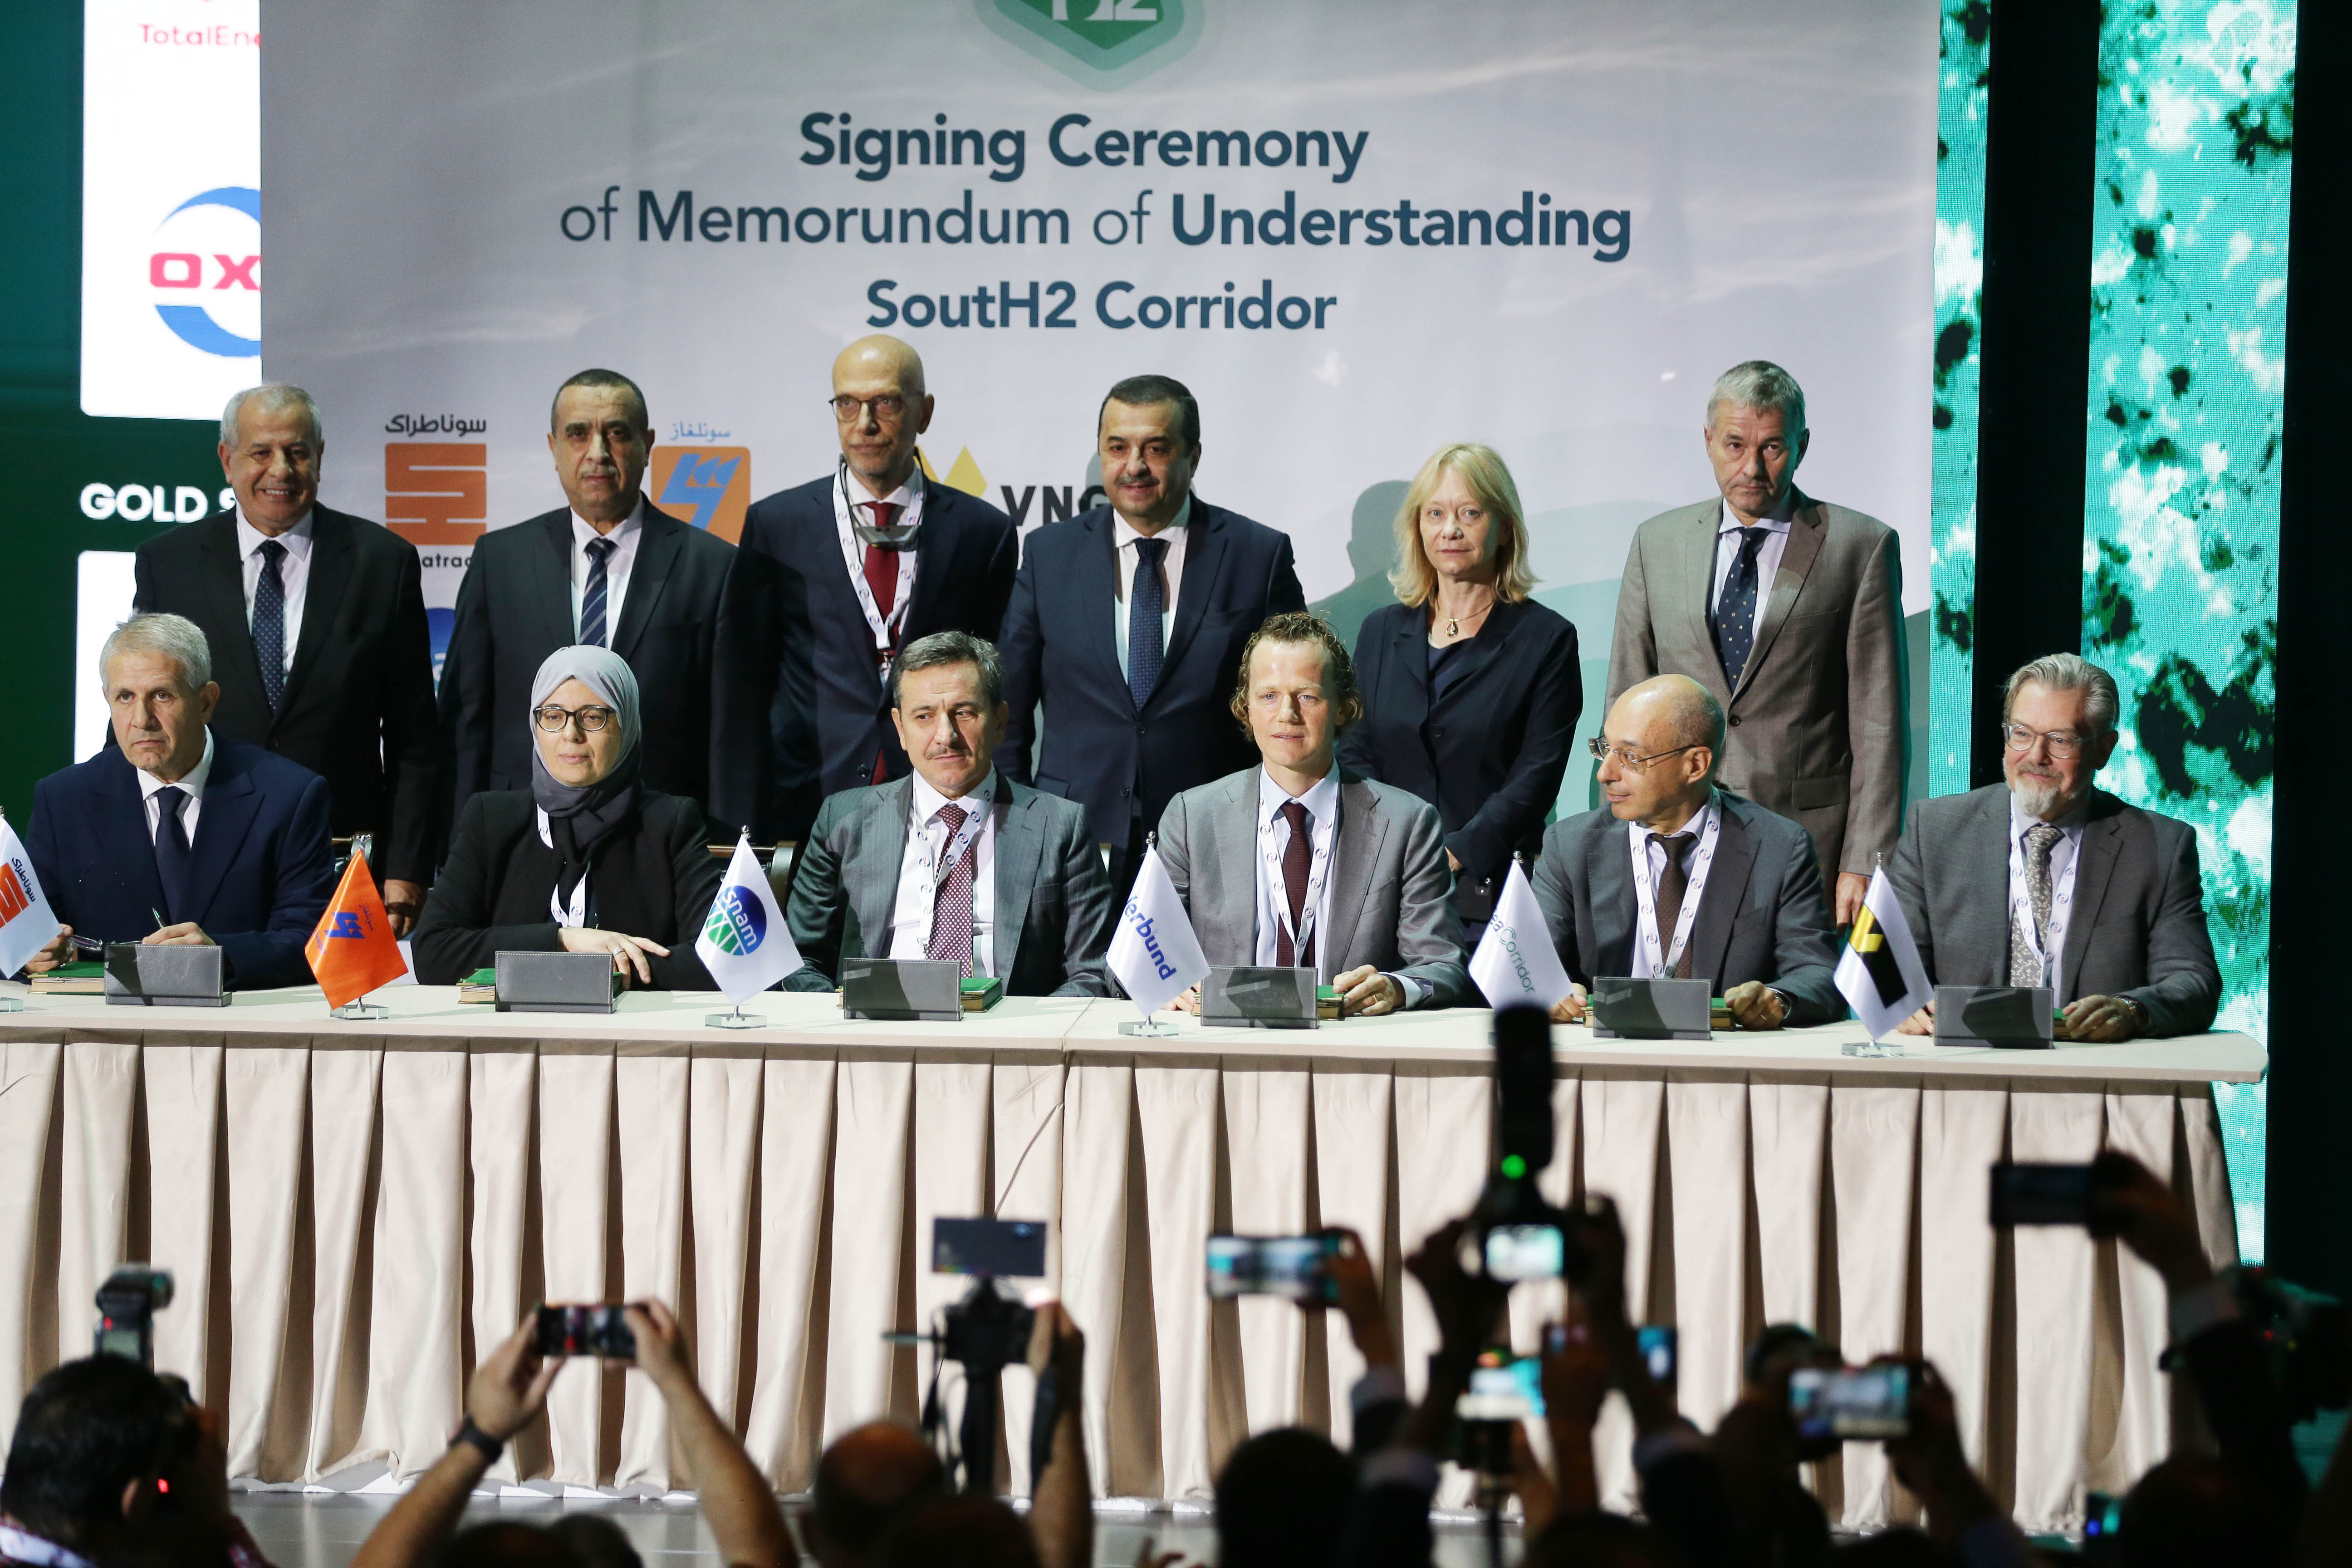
1357, 230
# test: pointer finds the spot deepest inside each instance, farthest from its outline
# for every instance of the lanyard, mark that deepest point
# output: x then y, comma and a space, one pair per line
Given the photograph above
577, 915
1319, 872
853, 555
1646, 898
2020, 902
975, 818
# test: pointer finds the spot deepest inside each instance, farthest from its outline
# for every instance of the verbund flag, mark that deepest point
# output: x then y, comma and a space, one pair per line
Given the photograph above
1153, 953
352, 951
26, 923
1516, 962
1880, 971
745, 943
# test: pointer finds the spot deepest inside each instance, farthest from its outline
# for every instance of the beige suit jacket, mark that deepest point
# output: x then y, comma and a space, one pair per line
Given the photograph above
1818, 729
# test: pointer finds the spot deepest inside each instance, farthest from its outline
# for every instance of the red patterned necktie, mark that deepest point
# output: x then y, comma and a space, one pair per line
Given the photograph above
882, 577
951, 904
1296, 857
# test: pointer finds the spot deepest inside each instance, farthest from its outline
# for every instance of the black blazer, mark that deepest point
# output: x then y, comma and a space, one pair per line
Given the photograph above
652, 877
358, 708
1059, 648
261, 863
1762, 916
698, 627
832, 708
1490, 754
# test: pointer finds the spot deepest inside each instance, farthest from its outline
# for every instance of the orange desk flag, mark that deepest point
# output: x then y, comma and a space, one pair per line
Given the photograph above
352, 951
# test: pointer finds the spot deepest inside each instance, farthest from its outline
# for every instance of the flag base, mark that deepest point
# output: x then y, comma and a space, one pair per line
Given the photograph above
361, 1012
1148, 1028
1870, 1048
737, 1019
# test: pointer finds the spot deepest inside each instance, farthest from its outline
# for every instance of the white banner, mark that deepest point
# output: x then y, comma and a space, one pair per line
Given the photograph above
1357, 230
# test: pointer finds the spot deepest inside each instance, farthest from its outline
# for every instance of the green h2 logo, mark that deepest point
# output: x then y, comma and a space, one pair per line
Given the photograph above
1098, 38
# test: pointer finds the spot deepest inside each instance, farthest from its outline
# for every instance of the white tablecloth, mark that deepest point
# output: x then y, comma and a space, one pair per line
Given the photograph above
351, 1209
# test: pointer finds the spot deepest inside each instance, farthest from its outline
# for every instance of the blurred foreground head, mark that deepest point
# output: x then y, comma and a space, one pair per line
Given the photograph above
872, 1479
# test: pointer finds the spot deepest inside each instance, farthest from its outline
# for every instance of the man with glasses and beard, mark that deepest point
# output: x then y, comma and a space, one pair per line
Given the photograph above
2102, 901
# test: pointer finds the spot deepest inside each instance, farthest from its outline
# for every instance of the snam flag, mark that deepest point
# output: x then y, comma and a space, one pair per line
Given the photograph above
352, 951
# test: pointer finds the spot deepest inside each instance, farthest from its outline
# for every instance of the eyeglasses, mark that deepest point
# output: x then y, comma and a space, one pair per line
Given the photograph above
553, 719
887, 406
2064, 744
1602, 751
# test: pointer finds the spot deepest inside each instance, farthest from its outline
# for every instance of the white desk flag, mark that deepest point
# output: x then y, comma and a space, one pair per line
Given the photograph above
745, 943
1516, 962
1880, 971
1153, 953
26, 923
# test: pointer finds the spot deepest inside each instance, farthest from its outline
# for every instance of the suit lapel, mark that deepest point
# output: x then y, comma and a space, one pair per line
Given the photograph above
1696, 572
874, 894
1719, 903
1614, 909
1237, 836
121, 826
1203, 550
1020, 850
332, 548
234, 661
552, 585
1807, 529
2102, 840
1357, 848
1982, 857
657, 551
1099, 596
934, 558
230, 805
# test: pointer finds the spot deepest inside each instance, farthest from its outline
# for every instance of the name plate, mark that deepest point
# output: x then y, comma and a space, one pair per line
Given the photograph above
557, 982
902, 990
1245, 996
1650, 1009
141, 977
2006, 1017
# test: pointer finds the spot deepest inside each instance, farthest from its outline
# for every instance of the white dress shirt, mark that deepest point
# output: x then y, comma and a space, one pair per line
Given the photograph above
1322, 804
1650, 864
908, 498
927, 840
192, 785
1768, 554
624, 537
293, 573
2064, 857
1172, 570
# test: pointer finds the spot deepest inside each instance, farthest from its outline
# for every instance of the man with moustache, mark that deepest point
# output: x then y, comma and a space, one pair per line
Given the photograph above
1127, 625
696, 620
2101, 902
874, 556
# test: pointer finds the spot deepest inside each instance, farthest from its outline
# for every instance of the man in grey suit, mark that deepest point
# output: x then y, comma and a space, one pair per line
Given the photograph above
2102, 901
954, 861
1789, 611
1299, 862
1674, 876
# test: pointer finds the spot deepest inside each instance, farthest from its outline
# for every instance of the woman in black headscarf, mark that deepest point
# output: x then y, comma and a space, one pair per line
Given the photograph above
587, 859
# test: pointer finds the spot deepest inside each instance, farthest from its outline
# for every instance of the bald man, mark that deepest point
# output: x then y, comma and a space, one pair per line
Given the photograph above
876, 555
872, 1479
1676, 876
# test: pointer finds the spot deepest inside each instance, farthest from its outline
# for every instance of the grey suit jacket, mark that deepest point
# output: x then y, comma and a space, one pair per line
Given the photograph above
1818, 730
1053, 897
1392, 892
1762, 915
2137, 929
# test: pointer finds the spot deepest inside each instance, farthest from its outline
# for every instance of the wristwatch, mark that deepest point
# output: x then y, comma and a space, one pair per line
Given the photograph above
2138, 1011
468, 1432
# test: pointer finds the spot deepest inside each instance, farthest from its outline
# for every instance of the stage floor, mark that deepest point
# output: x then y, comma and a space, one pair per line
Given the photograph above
323, 1529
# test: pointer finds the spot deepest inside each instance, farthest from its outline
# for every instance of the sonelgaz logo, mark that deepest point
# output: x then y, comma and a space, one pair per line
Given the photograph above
709, 487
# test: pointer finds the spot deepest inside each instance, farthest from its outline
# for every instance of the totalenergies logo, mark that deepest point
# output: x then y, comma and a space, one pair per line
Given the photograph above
205, 271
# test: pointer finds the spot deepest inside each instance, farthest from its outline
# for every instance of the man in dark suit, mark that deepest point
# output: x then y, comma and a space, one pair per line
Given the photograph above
694, 617
1789, 612
315, 621
2101, 901
875, 556
955, 861
1676, 877
176, 836
1128, 621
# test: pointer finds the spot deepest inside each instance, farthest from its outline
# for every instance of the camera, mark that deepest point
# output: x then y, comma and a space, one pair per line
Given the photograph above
597, 1330
126, 1305
985, 1332
1520, 1235
1850, 1403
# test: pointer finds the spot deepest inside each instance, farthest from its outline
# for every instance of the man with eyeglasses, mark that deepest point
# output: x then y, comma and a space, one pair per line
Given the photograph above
1677, 877
695, 618
2102, 901
876, 555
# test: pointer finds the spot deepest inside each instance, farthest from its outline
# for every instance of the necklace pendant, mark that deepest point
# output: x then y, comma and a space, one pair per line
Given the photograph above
1454, 628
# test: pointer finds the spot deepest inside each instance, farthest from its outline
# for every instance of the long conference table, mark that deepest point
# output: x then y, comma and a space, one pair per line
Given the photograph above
353, 1211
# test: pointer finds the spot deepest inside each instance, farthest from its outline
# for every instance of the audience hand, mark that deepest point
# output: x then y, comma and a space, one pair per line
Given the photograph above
1756, 1005
1359, 1301
1575, 1375
187, 934
1464, 1304
2127, 1202
1922, 1022
629, 951
1188, 1002
1931, 1461
1570, 1009
1852, 888
1366, 993
1055, 1339
661, 1346
58, 951
509, 1388
403, 903
2099, 1020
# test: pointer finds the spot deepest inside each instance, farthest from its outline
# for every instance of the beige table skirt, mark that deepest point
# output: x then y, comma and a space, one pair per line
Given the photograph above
353, 1210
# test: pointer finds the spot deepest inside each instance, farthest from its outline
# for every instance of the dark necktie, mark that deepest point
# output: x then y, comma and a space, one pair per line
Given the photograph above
2025, 967
882, 579
1735, 612
1145, 605
269, 623
951, 917
1296, 857
1673, 882
171, 857
592, 599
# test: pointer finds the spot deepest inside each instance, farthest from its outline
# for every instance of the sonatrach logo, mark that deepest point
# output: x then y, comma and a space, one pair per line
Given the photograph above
1095, 39
738, 924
